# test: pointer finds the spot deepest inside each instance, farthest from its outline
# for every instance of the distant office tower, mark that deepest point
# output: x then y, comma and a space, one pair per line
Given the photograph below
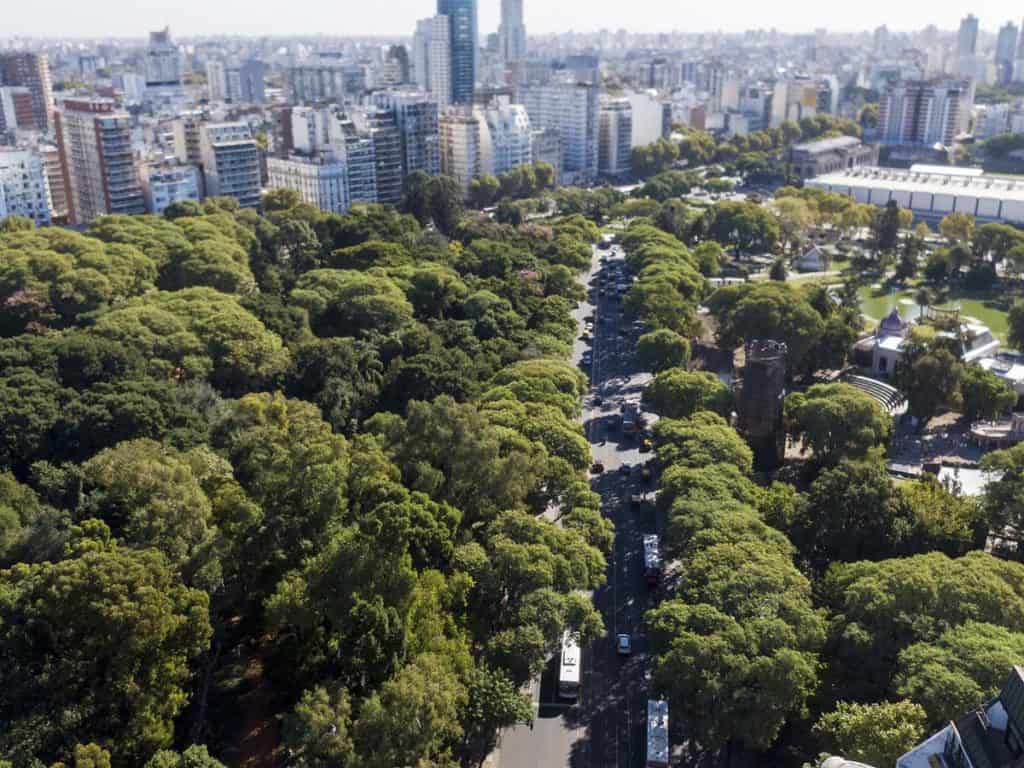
163, 62
924, 113
463, 41
461, 156
615, 140
231, 162
379, 126
16, 111
967, 37
324, 81
216, 81
252, 77
416, 115
512, 32
164, 184
95, 145
506, 138
55, 180
1006, 52
432, 58
24, 190
572, 110
397, 66
880, 40
32, 71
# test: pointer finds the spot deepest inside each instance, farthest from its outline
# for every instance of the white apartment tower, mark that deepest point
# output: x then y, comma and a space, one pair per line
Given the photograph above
616, 137
461, 156
432, 58
24, 190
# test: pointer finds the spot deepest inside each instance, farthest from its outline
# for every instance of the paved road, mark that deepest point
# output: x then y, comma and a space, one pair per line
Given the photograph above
605, 727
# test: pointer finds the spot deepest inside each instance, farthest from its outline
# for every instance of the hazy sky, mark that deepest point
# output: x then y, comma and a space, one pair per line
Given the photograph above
131, 18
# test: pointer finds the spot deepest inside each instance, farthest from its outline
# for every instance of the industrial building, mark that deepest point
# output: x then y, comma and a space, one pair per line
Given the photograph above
932, 192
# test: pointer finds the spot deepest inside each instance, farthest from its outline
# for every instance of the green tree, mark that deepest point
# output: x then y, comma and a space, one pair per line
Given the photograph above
492, 703
661, 349
837, 421
445, 203
195, 756
984, 395
112, 615
954, 673
874, 734
886, 227
957, 227
483, 191
318, 732
676, 394
416, 197
414, 716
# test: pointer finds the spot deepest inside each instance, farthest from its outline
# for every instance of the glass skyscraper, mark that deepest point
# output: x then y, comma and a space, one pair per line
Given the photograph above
462, 21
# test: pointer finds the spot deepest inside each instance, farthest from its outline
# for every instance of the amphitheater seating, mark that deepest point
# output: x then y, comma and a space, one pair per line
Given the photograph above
887, 396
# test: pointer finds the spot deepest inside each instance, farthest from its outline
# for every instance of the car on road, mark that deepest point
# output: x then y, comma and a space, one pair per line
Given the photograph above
625, 469
598, 400
587, 359
636, 497
623, 644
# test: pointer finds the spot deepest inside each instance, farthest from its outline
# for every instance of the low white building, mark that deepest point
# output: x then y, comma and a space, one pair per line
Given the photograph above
320, 179
164, 184
24, 190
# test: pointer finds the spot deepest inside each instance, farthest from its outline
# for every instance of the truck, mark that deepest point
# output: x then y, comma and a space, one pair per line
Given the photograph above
652, 560
657, 734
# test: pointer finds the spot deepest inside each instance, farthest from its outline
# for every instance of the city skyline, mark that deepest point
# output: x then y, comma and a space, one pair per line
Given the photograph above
117, 18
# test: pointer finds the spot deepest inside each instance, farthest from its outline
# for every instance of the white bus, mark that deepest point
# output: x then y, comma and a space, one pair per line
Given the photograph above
652, 560
569, 668
657, 734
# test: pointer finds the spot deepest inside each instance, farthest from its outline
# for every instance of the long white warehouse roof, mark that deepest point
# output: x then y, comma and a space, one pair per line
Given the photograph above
927, 191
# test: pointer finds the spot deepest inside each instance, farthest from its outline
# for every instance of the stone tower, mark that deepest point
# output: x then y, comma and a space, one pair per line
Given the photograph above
760, 402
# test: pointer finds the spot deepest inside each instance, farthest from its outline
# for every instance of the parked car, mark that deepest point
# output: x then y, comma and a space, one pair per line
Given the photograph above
623, 644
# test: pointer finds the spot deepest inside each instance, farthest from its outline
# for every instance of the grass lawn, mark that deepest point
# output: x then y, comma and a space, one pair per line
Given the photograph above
989, 307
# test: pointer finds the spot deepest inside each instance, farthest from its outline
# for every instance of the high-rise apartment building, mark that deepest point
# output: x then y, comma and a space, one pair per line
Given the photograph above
379, 126
231, 162
506, 138
512, 32
571, 109
461, 156
924, 113
95, 144
32, 71
324, 81
236, 83
55, 181
186, 137
615, 140
432, 58
463, 42
24, 190
416, 115
357, 152
1006, 52
16, 110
